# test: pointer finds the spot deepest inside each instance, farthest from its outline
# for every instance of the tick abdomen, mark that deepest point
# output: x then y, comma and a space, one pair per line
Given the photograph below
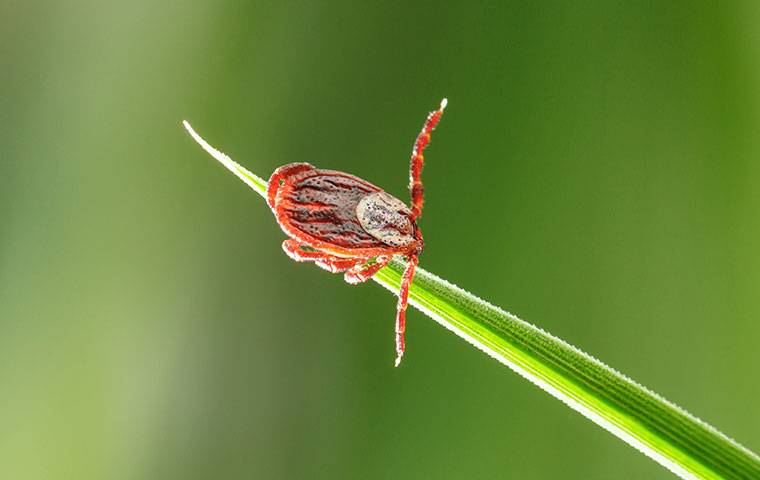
322, 204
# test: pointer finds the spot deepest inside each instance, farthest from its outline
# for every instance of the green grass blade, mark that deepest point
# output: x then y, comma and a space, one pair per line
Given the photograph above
643, 419
659, 429
256, 183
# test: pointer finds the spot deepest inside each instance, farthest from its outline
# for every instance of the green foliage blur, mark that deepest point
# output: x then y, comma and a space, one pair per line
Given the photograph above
596, 173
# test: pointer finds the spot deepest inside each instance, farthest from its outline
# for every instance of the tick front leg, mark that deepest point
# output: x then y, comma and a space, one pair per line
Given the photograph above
415, 169
323, 260
361, 272
403, 300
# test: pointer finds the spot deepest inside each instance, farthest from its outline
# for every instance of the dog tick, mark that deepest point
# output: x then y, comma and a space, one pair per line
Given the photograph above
345, 224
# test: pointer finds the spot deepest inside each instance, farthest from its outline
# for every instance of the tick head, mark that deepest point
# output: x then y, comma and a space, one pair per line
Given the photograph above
386, 218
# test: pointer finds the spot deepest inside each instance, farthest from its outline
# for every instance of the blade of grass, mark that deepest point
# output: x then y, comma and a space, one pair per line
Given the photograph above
659, 429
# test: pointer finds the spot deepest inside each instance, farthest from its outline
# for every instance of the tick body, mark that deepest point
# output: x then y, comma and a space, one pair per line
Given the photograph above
347, 225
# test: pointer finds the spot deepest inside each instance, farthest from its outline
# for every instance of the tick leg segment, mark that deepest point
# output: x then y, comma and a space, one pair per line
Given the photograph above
293, 250
326, 261
336, 264
403, 300
361, 273
416, 189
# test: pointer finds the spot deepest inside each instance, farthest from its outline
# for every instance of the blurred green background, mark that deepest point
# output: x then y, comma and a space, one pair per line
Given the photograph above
596, 173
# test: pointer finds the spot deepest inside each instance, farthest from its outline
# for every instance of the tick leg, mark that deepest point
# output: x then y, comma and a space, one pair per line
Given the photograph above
403, 299
361, 273
337, 264
323, 260
415, 169
293, 250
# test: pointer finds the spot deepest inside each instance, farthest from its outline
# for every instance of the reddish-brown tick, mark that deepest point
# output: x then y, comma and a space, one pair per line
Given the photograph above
345, 224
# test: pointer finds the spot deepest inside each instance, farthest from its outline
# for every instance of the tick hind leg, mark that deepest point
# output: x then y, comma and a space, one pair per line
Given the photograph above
328, 262
362, 272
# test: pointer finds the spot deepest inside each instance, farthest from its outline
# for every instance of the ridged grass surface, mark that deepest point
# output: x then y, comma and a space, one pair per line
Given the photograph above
659, 429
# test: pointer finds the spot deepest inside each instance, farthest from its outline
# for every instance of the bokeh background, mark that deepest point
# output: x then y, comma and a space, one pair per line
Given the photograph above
596, 173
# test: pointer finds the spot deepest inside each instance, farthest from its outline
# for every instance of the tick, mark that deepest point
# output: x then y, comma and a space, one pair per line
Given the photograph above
347, 225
